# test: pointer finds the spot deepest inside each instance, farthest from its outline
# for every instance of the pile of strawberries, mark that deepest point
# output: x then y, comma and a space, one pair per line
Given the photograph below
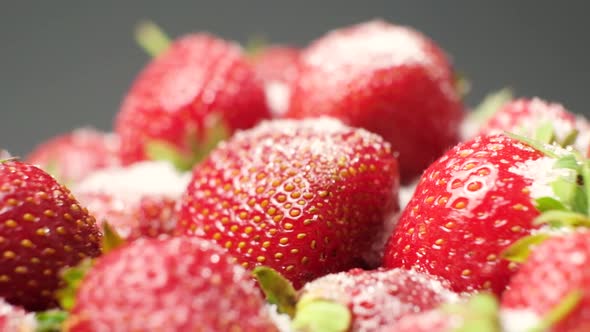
338, 187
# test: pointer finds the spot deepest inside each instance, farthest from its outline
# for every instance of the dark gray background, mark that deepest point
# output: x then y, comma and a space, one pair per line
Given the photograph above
65, 64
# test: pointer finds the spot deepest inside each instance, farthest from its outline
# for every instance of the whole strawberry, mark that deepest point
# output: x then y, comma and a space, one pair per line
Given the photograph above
469, 206
306, 198
542, 120
137, 201
42, 230
388, 79
556, 274
278, 67
194, 93
174, 284
375, 299
72, 156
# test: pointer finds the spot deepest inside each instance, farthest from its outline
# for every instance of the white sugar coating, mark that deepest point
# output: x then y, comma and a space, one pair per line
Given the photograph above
518, 320
582, 143
277, 97
382, 289
16, 319
406, 192
469, 128
281, 321
542, 173
145, 178
373, 45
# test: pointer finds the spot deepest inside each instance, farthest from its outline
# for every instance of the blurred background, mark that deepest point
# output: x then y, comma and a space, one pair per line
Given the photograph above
67, 64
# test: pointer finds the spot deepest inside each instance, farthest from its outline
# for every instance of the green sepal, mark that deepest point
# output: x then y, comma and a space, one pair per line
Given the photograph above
479, 313
318, 315
151, 38
255, 45
72, 277
549, 203
520, 250
568, 161
277, 289
8, 159
462, 84
585, 173
545, 133
560, 311
216, 132
564, 190
50, 321
110, 238
539, 146
557, 219
490, 105
570, 139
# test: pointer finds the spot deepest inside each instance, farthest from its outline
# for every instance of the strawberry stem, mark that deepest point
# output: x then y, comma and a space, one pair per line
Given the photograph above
151, 38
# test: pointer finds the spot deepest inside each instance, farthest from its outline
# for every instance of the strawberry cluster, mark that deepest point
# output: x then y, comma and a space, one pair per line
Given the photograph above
338, 187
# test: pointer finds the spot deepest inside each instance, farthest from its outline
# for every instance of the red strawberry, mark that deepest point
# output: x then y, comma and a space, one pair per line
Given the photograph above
42, 230
175, 284
388, 79
15, 319
539, 119
70, 157
376, 299
555, 271
278, 68
197, 91
469, 206
137, 200
304, 197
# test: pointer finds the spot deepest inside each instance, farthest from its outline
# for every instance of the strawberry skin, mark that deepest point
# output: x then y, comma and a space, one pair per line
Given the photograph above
15, 318
523, 116
42, 230
306, 198
379, 298
388, 79
181, 96
72, 156
469, 206
174, 284
278, 67
555, 268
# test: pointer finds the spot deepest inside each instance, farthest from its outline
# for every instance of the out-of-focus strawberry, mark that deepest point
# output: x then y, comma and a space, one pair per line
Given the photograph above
388, 79
173, 284
72, 156
196, 91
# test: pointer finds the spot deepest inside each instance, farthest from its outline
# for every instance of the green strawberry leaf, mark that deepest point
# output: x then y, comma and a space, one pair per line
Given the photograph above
479, 313
151, 38
558, 219
318, 315
110, 238
50, 321
490, 105
545, 133
520, 250
560, 311
549, 203
277, 289
73, 277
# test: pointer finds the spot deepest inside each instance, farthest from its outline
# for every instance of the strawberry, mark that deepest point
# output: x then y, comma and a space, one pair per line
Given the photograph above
306, 198
541, 120
197, 91
470, 205
72, 156
278, 67
14, 318
375, 299
388, 79
42, 229
552, 288
137, 200
174, 284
